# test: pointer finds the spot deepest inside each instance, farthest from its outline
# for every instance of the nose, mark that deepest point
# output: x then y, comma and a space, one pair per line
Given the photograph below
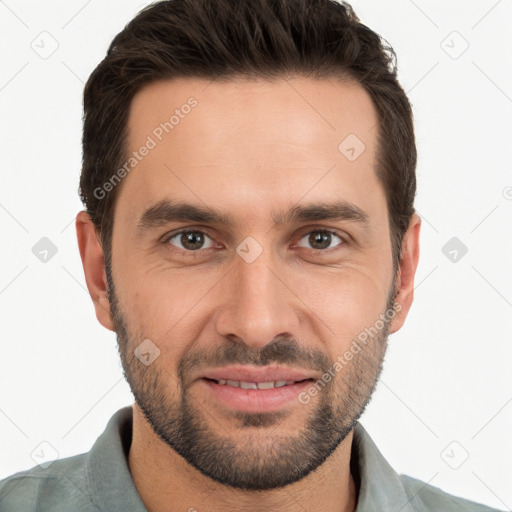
257, 303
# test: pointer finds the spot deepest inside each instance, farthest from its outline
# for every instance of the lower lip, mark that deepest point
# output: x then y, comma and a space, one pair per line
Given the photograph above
256, 400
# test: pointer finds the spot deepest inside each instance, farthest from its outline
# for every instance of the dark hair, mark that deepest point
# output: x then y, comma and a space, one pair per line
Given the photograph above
216, 39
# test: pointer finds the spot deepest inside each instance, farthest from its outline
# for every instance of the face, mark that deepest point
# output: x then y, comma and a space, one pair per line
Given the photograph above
250, 255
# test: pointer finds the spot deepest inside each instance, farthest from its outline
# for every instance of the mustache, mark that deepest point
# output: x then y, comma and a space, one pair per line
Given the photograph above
280, 350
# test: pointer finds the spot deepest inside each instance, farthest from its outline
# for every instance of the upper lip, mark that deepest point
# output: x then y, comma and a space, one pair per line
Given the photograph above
261, 374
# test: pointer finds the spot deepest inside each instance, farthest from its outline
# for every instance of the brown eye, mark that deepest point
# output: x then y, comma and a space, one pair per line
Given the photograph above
189, 240
320, 240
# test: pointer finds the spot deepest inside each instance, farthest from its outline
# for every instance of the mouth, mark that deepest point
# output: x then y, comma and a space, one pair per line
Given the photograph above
256, 385
255, 390
247, 375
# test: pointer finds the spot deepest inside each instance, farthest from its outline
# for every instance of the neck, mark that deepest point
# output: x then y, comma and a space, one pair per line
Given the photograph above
166, 482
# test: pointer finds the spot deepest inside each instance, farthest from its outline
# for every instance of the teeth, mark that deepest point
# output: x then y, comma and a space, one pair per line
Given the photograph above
265, 385
248, 385
255, 385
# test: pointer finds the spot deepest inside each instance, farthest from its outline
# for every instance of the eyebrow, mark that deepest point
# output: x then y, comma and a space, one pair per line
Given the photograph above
167, 211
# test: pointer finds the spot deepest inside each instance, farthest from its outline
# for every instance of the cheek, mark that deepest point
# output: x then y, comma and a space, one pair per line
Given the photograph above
346, 302
166, 307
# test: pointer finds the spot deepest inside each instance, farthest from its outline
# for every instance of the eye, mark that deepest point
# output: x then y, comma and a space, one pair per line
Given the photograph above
321, 239
193, 240
189, 240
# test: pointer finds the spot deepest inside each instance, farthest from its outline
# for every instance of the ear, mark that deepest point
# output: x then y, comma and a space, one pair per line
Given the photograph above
406, 272
93, 262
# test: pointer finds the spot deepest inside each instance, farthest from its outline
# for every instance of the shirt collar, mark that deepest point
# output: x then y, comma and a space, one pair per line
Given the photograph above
380, 487
108, 473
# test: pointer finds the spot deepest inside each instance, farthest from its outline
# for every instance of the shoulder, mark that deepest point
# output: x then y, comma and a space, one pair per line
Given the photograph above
48, 488
425, 497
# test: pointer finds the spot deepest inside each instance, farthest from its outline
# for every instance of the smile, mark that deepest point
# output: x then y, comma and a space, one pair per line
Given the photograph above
255, 397
255, 385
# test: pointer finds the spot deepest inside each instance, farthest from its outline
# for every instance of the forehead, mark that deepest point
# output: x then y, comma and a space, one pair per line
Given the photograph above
251, 144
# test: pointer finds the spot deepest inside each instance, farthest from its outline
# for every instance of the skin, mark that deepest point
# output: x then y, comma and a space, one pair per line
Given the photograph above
249, 149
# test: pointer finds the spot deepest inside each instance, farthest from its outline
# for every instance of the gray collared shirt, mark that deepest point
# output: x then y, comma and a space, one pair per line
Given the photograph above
100, 480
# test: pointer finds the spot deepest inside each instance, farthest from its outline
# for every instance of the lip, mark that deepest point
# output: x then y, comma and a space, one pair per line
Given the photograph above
254, 400
251, 374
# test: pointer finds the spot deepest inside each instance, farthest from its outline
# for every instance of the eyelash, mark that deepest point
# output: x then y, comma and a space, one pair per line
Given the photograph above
344, 240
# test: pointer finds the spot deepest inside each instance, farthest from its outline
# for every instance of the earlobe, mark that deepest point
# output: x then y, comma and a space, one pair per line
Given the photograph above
93, 262
406, 272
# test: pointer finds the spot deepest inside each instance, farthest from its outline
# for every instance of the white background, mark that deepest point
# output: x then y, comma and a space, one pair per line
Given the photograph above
447, 372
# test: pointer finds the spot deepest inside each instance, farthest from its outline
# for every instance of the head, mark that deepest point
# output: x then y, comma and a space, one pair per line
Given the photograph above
278, 136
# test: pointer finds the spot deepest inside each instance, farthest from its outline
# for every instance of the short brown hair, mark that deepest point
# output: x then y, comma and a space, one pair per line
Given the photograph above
215, 39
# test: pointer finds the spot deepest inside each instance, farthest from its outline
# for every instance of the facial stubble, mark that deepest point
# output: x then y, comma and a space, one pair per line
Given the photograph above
263, 458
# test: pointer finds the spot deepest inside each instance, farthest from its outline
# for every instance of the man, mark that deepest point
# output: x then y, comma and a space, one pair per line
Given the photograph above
250, 236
